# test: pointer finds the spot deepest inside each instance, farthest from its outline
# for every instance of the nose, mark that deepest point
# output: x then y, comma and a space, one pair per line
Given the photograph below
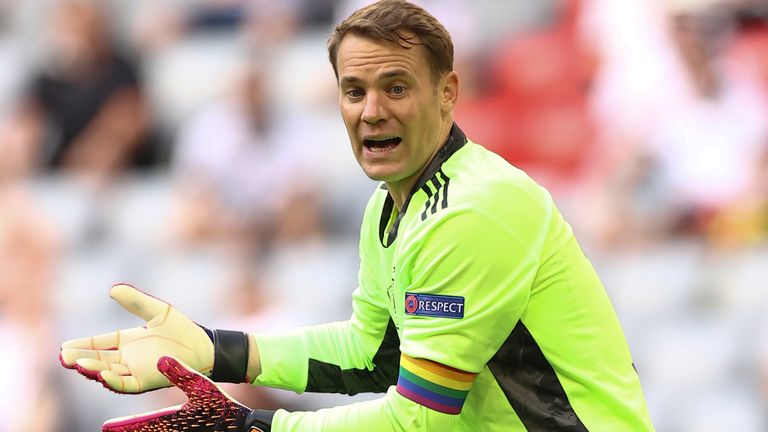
373, 111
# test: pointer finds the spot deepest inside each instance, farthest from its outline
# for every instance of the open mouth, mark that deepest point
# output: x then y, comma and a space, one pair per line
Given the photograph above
382, 144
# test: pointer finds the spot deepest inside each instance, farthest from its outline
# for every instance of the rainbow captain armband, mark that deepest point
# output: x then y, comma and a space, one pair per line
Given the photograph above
436, 386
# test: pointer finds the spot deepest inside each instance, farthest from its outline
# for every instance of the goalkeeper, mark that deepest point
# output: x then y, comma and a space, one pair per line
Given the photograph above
476, 309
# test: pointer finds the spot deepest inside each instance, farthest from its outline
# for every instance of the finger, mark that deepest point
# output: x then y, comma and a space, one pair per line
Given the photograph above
192, 383
106, 341
69, 364
69, 357
138, 302
120, 383
184, 377
140, 422
90, 368
93, 367
201, 391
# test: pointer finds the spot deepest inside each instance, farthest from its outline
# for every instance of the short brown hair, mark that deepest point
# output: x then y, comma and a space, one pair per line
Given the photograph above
391, 21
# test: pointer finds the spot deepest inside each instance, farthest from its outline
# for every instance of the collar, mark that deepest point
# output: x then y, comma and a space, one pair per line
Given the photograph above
456, 140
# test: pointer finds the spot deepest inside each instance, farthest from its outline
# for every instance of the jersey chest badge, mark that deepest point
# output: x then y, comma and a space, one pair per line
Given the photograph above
443, 306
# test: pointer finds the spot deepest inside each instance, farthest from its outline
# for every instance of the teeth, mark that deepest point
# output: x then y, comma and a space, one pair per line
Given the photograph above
383, 138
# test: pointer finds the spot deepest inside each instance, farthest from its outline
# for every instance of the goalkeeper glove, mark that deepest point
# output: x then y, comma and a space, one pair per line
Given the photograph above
125, 361
209, 409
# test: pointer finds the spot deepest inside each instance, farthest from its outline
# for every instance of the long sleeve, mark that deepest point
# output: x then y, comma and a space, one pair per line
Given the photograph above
342, 357
353, 356
387, 414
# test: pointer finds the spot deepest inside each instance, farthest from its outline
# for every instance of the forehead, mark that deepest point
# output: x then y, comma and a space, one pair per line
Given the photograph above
359, 55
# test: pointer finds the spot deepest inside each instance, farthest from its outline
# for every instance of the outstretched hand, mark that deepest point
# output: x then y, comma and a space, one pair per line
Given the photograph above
126, 361
209, 409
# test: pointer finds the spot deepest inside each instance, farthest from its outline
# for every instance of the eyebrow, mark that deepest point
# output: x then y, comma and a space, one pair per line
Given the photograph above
348, 80
394, 73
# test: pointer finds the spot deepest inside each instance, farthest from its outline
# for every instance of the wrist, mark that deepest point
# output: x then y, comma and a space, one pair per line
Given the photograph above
254, 361
230, 355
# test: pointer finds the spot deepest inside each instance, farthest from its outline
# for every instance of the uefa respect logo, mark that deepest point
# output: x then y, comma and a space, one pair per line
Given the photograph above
433, 305
411, 303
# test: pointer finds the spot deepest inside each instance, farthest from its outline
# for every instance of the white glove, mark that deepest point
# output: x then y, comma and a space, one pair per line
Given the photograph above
125, 361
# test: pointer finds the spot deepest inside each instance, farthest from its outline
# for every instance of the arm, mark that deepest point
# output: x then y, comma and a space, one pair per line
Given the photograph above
353, 356
441, 356
22, 136
349, 357
346, 357
391, 413
210, 409
113, 136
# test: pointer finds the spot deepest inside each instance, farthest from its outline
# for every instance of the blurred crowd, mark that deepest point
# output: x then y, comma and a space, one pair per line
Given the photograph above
194, 149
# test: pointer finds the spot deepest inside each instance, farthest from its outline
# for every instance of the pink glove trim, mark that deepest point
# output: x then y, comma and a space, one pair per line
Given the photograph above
145, 418
63, 363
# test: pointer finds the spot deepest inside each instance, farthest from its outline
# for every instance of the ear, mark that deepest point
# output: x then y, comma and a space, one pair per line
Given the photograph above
449, 91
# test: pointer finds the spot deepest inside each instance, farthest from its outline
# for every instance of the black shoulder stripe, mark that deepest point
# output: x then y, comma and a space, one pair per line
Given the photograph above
438, 186
438, 197
427, 190
446, 180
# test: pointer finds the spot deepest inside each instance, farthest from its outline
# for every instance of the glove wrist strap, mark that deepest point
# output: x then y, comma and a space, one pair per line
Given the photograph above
259, 420
230, 356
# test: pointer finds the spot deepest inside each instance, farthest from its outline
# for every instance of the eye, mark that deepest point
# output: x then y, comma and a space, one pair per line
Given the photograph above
354, 93
397, 90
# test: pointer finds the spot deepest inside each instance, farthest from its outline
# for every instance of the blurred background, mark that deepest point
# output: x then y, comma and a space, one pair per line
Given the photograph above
194, 149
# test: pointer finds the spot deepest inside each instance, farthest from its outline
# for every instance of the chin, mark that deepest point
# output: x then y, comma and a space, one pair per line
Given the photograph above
376, 175
379, 174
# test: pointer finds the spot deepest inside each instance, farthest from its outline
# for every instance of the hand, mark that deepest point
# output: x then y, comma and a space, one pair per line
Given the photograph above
208, 409
125, 361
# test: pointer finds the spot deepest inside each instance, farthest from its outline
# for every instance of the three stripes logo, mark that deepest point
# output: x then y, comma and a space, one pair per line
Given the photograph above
436, 189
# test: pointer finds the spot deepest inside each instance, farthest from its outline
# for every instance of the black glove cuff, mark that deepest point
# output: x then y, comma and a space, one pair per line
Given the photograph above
207, 331
230, 356
259, 419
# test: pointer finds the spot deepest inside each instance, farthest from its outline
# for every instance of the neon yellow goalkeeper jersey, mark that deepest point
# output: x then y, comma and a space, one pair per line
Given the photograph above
476, 310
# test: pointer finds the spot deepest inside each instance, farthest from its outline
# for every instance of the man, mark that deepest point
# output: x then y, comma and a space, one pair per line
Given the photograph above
476, 309
85, 109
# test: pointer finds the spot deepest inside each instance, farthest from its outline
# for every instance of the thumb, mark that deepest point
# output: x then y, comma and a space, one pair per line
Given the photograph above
185, 378
138, 302
201, 391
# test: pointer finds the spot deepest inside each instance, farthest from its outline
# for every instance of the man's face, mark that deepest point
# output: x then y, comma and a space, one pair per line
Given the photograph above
394, 111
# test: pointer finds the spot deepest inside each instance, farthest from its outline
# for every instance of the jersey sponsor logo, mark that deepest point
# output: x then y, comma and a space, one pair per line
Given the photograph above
443, 306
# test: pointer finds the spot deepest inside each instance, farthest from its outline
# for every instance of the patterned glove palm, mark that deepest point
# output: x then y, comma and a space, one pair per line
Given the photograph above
209, 409
125, 361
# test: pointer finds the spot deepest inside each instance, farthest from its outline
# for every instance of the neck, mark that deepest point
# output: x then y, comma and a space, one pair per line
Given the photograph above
399, 196
399, 190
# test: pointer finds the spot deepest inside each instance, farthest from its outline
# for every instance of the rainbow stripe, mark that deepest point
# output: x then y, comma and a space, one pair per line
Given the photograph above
436, 386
